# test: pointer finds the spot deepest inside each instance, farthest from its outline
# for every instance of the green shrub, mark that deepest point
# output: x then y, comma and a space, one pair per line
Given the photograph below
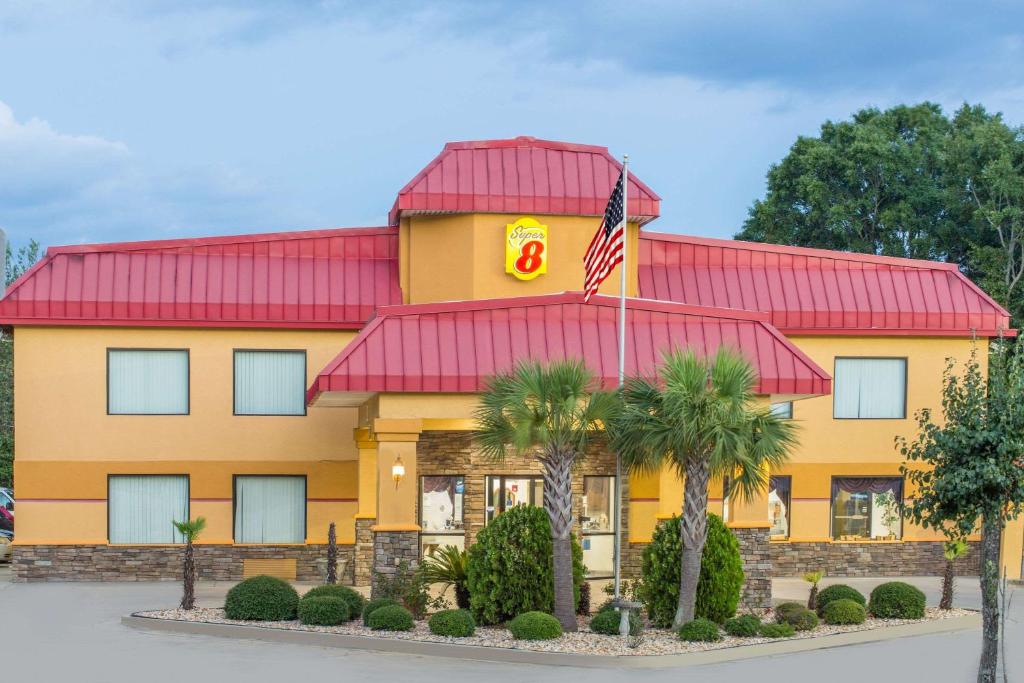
896, 600
509, 569
352, 598
409, 587
323, 610
743, 626
839, 591
844, 611
801, 619
776, 631
535, 626
607, 622
374, 605
700, 631
785, 609
457, 623
391, 618
261, 598
583, 604
719, 584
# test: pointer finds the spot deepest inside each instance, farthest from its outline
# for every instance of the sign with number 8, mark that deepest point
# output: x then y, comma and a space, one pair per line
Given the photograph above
526, 248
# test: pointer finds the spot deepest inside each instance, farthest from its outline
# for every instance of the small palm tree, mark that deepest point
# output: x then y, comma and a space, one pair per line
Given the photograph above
190, 530
552, 412
700, 417
951, 551
813, 578
447, 566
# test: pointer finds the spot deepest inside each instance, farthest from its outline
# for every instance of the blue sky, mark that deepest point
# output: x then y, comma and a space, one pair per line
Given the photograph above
160, 118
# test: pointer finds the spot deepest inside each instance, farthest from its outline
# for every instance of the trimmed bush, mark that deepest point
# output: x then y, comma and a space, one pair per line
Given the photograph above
844, 611
776, 631
839, 591
353, 599
607, 622
509, 570
261, 598
743, 626
796, 615
896, 600
323, 610
535, 626
391, 618
457, 623
583, 604
374, 605
785, 609
719, 584
700, 631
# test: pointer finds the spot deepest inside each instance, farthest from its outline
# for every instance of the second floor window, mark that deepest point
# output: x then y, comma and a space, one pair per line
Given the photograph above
147, 382
270, 382
870, 388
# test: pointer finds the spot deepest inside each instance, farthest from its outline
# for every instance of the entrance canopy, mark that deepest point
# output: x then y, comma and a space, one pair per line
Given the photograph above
454, 347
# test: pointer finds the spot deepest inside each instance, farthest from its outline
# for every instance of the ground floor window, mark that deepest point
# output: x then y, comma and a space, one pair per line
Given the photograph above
504, 492
270, 509
441, 512
779, 496
598, 525
866, 508
143, 508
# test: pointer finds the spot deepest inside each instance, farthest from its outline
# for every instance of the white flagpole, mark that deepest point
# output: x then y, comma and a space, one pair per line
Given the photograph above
622, 370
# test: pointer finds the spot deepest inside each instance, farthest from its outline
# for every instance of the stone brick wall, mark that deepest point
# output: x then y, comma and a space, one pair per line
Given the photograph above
149, 563
757, 568
913, 558
363, 570
390, 548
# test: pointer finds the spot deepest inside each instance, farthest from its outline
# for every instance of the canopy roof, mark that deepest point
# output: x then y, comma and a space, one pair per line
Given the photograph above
457, 346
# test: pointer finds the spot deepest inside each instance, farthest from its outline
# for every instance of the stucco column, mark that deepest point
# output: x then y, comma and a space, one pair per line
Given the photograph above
748, 520
396, 529
1013, 549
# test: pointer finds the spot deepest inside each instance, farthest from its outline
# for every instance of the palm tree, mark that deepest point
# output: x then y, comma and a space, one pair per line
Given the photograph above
700, 417
552, 412
190, 530
447, 566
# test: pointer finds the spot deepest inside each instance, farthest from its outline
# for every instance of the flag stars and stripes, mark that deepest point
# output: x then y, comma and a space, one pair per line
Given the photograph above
606, 249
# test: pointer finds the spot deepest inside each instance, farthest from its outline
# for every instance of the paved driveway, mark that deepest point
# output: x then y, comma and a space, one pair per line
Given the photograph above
71, 632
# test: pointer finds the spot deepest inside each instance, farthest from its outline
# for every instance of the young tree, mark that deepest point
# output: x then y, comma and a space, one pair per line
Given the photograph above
190, 530
552, 412
951, 550
700, 417
968, 468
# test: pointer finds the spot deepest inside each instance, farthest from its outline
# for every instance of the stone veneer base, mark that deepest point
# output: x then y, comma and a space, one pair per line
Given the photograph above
910, 558
390, 548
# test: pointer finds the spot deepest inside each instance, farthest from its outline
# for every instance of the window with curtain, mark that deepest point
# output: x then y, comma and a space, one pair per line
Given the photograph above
143, 508
598, 525
870, 388
783, 410
441, 512
147, 381
270, 382
866, 508
779, 488
270, 509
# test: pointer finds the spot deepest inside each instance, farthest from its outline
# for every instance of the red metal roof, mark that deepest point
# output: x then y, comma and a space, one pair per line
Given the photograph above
457, 346
521, 175
817, 291
311, 279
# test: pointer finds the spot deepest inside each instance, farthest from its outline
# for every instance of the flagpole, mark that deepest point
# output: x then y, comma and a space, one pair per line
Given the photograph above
622, 370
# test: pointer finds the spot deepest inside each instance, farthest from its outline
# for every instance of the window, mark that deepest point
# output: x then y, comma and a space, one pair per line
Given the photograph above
147, 381
441, 509
270, 509
506, 492
870, 388
783, 410
598, 525
779, 496
865, 508
725, 499
270, 382
143, 508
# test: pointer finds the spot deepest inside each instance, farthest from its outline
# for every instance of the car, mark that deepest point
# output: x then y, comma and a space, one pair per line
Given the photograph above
5, 545
6, 510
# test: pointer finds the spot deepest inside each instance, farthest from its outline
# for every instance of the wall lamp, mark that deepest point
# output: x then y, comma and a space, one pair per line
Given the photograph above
398, 470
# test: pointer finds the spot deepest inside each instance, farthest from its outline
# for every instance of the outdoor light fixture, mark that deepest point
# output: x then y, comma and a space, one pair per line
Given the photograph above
398, 470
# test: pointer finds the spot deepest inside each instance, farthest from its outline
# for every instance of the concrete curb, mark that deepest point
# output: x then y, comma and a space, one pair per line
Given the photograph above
497, 654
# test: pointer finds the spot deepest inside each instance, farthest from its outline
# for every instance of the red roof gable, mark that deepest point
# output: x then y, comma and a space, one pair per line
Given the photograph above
311, 279
815, 290
457, 346
521, 175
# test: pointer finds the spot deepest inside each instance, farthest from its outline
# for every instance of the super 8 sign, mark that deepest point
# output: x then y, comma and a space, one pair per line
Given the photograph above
526, 248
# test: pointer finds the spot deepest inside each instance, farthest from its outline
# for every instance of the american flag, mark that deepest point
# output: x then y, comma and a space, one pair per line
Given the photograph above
605, 250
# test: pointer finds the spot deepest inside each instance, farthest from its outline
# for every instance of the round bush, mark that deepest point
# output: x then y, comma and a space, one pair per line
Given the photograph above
374, 605
323, 610
896, 600
839, 591
509, 570
700, 631
785, 609
607, 622
719, 584
743, 626
391, 618
353, 599
844, 611
261, 598
776, 631
796, 615
457, 623
535, 626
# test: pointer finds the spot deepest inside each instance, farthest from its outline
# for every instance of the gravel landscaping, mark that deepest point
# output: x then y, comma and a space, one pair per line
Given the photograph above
654, 642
